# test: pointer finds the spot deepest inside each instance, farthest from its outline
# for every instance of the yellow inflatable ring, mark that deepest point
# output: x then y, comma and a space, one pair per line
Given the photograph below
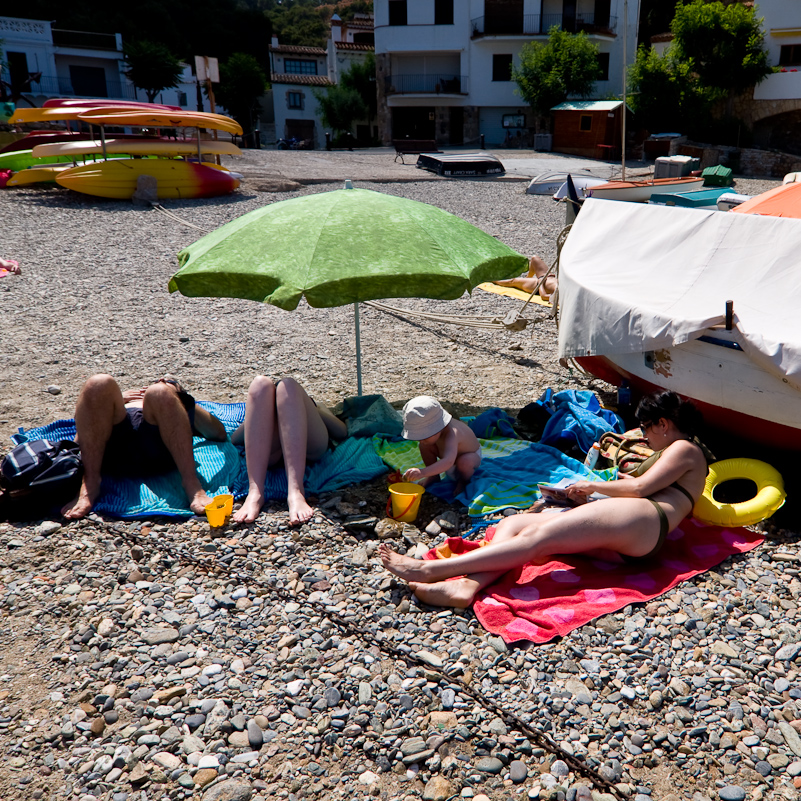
770, 493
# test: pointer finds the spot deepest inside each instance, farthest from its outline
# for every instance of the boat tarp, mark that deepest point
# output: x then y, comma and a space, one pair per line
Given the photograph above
781, 201
636, 278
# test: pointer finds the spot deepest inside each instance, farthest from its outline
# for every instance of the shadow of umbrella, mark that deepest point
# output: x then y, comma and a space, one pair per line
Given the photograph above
340, 247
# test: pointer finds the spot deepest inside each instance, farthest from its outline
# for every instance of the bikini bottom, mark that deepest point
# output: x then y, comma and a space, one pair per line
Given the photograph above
664, 527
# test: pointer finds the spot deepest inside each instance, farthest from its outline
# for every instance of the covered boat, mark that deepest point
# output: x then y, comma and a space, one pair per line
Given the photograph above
644, 291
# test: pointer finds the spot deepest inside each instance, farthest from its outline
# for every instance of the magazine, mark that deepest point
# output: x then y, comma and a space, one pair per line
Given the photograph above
556, 494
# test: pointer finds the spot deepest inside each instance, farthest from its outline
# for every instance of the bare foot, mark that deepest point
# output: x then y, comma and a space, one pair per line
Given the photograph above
403, 566
250, 508
199, 501
458, 593
299, 509
84, 502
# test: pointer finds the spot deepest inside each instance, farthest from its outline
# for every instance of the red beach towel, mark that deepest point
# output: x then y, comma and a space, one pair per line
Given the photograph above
540, 602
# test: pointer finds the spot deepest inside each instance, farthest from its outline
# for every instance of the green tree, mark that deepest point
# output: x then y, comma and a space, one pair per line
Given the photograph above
361, 79
152, 67
549, 73
340, 107
242, 83
717, 51
299, 23
722, 44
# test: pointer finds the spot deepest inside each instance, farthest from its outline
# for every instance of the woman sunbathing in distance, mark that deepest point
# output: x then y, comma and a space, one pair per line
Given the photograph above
528, 283
633, 522
282, 422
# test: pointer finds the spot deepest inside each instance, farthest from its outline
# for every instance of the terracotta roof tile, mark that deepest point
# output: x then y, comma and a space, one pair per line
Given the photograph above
301, 80
355, 46
297, 50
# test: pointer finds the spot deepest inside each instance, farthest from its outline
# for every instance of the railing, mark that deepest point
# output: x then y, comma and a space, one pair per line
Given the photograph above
444, 84
540, 24
62, 87
84, 39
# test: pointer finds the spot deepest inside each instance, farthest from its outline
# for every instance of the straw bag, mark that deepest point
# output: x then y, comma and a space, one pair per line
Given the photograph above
629, 452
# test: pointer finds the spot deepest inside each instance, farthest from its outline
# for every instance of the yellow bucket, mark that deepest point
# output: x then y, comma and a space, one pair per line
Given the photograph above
219, 509
405, 499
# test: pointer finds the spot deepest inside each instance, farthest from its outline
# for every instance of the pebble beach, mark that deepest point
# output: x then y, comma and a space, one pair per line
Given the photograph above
162, 659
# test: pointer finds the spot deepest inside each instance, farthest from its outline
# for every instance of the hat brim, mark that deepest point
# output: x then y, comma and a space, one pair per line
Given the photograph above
427, 429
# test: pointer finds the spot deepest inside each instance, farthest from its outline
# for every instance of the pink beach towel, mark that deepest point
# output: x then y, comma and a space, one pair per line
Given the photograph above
540, 602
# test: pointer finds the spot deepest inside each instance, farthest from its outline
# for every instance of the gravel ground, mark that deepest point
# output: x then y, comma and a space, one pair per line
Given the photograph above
150, 661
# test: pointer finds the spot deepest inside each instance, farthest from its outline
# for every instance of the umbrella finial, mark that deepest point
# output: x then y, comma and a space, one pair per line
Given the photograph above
348, 184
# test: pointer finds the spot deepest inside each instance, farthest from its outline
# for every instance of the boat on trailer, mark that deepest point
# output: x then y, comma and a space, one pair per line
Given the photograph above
667, 298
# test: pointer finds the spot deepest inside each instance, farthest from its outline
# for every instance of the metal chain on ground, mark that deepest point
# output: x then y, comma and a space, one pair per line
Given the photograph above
369, 638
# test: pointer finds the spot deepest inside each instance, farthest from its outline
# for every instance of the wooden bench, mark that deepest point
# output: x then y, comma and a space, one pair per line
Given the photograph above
414, 147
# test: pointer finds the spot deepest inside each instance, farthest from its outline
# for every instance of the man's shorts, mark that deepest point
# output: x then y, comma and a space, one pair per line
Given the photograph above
135, 447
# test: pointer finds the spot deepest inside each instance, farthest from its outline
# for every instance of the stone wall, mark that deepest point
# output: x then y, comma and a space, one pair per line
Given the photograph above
744, 161
384, 121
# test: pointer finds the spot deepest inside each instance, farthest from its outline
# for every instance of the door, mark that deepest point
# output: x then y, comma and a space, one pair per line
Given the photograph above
569, 15
415, 122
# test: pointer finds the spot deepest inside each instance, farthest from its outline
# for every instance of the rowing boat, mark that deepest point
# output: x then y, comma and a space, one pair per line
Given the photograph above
641, 191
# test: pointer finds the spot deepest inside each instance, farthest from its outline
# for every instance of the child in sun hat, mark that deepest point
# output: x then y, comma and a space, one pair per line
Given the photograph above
447, 445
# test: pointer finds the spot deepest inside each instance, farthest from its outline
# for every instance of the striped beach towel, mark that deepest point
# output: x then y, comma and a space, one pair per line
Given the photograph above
222, 469
508, 475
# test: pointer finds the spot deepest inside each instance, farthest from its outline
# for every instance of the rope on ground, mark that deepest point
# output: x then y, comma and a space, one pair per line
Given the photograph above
167, 213
509, 323
376, 638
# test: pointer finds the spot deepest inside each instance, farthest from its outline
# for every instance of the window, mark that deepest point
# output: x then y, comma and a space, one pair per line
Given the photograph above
181, 98
300, 66
502, 67
90, 81
294, 100
443, 12
790, 55
585, 122
397, 12
603, 66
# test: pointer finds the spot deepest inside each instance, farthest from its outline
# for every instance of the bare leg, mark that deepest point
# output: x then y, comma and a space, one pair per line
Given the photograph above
466, 465
100, 407
304, 436
260, 436
161, 407
626, 525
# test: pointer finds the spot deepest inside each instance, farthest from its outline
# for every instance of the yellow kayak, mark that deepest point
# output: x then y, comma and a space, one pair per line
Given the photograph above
174, 178
132, 147
161, 119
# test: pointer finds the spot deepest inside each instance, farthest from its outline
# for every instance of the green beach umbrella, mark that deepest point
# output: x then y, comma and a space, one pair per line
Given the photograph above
340, 247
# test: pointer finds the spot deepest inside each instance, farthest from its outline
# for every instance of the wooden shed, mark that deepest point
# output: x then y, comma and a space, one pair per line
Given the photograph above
589, 128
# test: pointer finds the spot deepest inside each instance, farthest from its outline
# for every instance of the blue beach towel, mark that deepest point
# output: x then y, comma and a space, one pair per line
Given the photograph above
578, 418
222, 469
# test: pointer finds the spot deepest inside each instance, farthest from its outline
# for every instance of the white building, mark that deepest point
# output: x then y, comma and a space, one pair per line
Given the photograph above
444, 67
63, 63
298, 71
782, 28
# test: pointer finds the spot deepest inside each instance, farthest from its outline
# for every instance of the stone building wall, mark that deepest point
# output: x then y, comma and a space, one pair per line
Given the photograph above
744, 161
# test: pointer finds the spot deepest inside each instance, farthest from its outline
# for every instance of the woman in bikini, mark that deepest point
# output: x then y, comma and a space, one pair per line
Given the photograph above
282, 423
632, 522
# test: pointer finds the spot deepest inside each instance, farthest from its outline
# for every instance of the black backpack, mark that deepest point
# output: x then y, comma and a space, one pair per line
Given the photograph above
37, 478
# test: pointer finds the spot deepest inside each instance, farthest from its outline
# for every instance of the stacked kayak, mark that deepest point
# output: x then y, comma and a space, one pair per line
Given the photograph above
111, 168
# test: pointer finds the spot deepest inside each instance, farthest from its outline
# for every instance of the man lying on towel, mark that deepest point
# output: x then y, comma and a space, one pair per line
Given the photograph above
140, 432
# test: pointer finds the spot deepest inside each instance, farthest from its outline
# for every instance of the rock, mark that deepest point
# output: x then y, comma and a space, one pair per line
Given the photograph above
166, 760
255, 737
368, 777
47, 527
231, 790
430, 659
790, 737
53, 389
489, 765
438, 788
731, 792
204, 776
443, 720
160, 635
724, 649
518, 772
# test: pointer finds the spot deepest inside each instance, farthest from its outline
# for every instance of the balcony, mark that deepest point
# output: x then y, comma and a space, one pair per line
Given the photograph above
62, 87
85, 39
540, 24
448, 84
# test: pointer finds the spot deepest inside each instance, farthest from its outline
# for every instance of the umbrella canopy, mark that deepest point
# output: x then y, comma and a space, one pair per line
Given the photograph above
341, 247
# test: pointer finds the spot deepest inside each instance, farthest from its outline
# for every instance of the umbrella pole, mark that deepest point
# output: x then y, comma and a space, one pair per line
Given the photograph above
358, 351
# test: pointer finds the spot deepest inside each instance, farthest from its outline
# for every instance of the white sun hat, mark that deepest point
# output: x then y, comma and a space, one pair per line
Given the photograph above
423, 417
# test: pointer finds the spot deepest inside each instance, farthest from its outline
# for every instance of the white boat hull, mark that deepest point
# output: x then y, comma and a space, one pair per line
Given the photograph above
640, 192
734, 392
